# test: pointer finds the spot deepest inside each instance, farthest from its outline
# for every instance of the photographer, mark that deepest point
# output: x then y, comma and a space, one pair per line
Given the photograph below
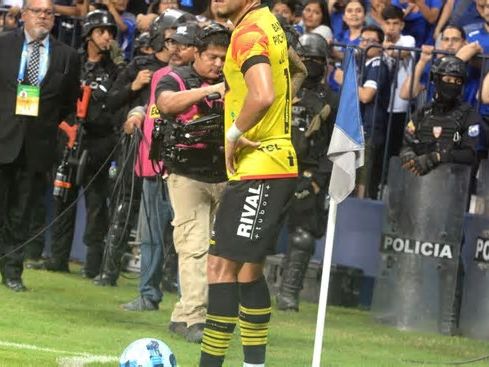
196, 175
132, 88
99, 72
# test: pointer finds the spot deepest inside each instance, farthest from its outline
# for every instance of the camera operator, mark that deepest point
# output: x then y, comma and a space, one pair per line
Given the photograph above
158, 256
99, 72
197, 176
132, 89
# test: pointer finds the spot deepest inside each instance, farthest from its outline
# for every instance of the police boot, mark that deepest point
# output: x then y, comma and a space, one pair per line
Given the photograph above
93, 262
115, 247
299, 252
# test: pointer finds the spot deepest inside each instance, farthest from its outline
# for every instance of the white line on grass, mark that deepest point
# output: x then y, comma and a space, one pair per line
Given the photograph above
78, 359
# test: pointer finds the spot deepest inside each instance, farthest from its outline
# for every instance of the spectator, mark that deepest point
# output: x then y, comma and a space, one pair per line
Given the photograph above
126, 24
336, 10
398, 108
354, 18
374, 14
157, 7
285, 8
467, 14
210, 15
316, 19
420, 16
374, 95
452, 40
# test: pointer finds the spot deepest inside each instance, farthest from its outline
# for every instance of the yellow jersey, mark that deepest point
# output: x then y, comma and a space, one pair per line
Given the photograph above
260, 38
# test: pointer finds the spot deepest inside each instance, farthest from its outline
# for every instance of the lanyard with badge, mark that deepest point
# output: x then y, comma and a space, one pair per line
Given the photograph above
27, 101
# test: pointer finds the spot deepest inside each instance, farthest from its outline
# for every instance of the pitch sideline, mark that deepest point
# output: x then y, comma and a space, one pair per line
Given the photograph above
77, 359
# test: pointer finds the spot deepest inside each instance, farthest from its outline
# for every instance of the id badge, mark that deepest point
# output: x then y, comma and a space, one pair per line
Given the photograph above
27, 102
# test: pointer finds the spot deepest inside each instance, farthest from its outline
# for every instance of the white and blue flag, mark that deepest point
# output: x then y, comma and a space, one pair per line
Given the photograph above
346, 149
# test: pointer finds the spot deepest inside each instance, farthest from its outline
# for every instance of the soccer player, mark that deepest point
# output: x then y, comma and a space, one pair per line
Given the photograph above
262, 170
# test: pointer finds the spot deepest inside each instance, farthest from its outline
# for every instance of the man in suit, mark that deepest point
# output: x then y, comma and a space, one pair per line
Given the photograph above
40, 83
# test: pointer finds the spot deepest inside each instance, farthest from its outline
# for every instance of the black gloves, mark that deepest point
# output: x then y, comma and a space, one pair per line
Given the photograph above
422, 164
406, 155
304, 187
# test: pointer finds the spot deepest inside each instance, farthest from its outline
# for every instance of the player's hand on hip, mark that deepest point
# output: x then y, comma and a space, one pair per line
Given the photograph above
232, 146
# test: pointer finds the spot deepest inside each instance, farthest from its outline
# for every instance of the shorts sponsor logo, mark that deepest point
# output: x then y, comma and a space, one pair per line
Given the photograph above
424, 248
482, 250
252, 214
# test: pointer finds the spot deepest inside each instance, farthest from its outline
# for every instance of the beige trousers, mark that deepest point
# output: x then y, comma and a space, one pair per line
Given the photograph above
194, 204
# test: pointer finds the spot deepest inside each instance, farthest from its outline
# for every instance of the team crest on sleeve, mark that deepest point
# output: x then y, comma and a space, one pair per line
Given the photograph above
437, 130
473, 130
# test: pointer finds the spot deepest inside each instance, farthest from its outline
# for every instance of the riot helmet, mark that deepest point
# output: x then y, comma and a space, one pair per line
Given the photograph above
452, 66
96, 19
143, 40
313, 46
171, 18
314, 56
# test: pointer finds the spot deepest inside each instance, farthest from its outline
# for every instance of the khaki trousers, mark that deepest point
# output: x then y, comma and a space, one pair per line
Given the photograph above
194, 204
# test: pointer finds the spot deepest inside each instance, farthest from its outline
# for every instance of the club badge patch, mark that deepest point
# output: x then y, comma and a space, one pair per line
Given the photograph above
437, 130
473, 131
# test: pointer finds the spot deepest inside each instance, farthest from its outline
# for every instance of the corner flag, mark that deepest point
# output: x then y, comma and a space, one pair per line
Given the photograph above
346, 149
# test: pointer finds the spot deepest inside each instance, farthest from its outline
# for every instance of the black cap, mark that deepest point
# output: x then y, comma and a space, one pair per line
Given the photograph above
186, 34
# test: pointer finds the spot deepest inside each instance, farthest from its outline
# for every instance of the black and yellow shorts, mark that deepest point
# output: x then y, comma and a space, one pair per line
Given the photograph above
250, 217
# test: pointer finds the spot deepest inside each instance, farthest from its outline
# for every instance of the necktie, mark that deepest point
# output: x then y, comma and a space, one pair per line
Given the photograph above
33, 66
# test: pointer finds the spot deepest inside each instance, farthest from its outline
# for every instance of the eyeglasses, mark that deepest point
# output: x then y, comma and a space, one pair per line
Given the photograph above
368, 40
171, 43
38, 11
451, 39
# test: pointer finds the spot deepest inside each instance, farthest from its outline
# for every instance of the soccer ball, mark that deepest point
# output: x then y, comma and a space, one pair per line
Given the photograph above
148, 352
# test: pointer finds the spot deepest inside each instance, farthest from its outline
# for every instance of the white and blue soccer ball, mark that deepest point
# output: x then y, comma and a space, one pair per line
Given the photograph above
148, 352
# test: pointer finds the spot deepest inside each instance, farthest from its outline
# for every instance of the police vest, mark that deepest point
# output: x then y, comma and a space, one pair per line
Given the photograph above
100, 76
438, 129
311, 103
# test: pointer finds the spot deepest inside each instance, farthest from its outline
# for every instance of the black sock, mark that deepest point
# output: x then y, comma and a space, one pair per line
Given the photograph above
254, 316
222, 316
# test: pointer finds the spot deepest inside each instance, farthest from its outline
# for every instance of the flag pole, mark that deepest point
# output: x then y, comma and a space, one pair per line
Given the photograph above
323, 294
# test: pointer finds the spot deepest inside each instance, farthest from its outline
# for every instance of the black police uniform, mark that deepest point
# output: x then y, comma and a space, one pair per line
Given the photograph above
307, 215
446, 130
99, 139
122, 98
450, 130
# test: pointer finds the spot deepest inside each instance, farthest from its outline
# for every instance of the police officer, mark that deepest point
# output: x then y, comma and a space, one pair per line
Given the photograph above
99, 73
196, 171
312, 121
132, 89
446, 130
